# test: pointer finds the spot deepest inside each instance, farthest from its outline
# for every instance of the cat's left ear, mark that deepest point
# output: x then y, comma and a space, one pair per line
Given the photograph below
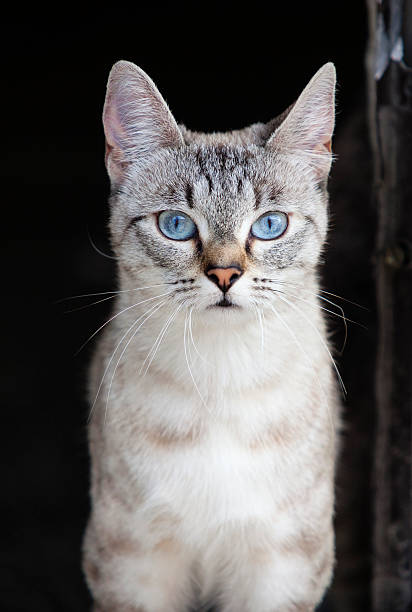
308, 128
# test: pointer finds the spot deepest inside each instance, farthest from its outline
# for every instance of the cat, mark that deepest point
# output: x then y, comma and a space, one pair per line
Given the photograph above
214, 401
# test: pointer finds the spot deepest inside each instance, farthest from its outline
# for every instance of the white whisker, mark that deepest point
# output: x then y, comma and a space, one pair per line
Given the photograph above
316, 306
115, 351
299, 344
262, 335
83, 295
342, 316
96, 248
300, 286
156, 308
193, 341
321, 297
319, 336
158, 340
88, 305
155, 297
188, 364
344, 299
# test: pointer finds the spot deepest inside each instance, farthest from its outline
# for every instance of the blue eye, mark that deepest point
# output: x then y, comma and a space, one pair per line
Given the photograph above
270, 226
176, 225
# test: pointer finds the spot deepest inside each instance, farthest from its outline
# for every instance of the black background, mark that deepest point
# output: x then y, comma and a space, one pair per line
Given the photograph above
219, 66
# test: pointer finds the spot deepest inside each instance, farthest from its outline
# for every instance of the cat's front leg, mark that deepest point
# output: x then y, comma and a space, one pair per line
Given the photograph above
290, 580
126, 575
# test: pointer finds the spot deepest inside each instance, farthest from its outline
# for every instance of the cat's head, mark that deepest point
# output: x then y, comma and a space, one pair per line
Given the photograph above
221, 219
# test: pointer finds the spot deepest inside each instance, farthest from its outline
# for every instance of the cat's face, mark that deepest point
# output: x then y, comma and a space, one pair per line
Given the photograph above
222, 223
221, 220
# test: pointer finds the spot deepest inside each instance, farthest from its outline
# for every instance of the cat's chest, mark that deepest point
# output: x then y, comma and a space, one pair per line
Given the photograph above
221, 458
218, 478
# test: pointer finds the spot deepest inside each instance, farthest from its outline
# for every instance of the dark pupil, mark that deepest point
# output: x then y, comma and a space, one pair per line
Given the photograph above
270, 223
176, 222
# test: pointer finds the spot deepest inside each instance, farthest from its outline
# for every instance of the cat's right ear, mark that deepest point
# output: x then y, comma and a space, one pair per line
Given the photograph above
136, 119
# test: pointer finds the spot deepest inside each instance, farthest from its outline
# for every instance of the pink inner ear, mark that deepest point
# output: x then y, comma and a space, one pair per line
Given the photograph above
113, 128
108, 150
320, 148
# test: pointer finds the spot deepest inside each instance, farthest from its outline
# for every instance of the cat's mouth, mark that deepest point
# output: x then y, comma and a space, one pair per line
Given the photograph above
224, 303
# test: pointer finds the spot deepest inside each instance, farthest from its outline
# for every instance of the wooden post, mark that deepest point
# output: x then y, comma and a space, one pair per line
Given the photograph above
390, 115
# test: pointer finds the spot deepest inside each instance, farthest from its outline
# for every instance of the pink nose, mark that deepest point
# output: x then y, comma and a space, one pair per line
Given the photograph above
224, 277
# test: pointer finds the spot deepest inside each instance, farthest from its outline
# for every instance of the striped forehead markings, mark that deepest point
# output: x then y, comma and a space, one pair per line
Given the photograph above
220, 161
267, 193
189, 195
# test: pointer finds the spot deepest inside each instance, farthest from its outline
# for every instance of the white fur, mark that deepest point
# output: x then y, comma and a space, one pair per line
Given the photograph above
218, 488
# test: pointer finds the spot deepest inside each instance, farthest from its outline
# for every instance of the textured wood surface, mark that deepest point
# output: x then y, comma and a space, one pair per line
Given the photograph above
391, 131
